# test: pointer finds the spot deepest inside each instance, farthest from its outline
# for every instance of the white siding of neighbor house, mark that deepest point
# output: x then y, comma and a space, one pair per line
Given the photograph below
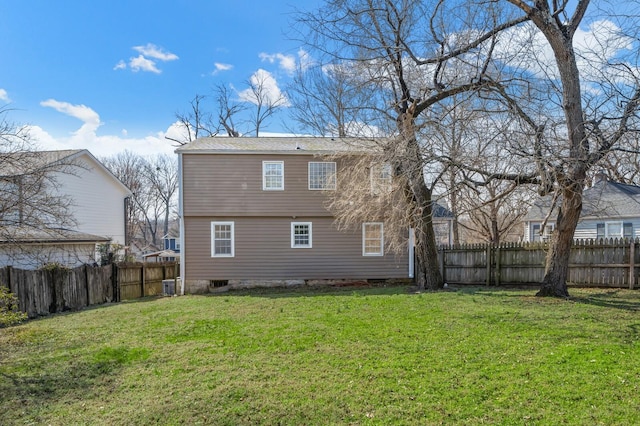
586, 228
35, 256
98, 199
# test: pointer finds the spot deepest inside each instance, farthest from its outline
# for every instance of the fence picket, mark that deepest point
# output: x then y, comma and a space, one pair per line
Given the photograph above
606, 263
46, 291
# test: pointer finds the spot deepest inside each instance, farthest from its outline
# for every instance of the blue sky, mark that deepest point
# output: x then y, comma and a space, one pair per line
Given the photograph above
111, 75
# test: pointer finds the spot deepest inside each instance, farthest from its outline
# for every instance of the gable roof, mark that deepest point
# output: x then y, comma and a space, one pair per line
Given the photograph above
19, 163
605, 199
278, 145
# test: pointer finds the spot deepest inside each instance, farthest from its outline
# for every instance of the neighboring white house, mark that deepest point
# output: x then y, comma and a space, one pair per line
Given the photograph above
97, 202
609, 210
28, 249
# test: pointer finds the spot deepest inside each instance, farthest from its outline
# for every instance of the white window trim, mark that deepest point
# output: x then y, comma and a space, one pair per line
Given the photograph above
364, 233
333, 181
380, 185
537, 237
264, 176
619, 223
293, 239
213, 239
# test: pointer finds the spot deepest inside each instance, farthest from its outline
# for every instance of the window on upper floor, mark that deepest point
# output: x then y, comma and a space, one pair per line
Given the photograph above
372, 239
322, 175
301, 234
273, 175
381, 178
222, 239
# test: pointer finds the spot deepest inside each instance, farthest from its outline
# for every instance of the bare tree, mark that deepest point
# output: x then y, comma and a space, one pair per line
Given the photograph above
228, 110
265, 97
197, 122
162, 175
325, 100
30, 204
154, 183
415, 55
401, 54
596, 103
130, 168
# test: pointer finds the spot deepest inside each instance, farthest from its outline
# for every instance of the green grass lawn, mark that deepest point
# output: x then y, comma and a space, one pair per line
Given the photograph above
330, 356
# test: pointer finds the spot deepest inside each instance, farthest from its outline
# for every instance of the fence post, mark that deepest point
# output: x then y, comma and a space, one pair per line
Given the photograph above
442, 264
632, 264
488, 265
86, 283
9, 283
143, 278
115, 282
498, 266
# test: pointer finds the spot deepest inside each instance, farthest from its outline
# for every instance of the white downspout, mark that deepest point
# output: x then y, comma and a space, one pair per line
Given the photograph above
412, 242
181, 219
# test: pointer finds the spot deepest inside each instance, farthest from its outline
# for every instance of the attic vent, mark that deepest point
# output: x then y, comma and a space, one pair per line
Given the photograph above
219, 283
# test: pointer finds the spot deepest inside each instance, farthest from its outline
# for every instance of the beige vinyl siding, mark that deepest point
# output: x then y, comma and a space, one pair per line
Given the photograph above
231, 185
263, 251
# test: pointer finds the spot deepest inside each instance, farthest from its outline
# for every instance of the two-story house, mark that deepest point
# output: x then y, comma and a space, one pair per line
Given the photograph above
94, 196
253, 211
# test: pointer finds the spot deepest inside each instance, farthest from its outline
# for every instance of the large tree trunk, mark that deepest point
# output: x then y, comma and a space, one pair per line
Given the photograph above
571, 181
428, 270
557, 266
428, 274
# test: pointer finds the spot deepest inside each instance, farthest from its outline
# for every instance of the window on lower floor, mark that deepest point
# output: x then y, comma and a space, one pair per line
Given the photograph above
222, 239
372, 239
546, 234
614, 230
300, 234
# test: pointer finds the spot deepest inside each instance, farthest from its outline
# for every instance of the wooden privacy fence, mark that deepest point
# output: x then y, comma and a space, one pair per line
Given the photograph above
144, 279
602, 263
50, 290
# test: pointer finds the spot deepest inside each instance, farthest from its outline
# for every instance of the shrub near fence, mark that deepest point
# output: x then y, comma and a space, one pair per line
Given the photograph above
603, 263
50, 290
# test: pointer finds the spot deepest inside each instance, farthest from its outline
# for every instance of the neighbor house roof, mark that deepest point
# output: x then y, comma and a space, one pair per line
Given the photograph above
282, 145
25, 235
24, 162
605, 199
440, 211
17, 163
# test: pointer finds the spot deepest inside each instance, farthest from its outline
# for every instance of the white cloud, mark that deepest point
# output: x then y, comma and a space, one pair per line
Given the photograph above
143, 62
140, 63
526, 48
155, 52
4, 96
286, 62
81, 112
220, 67
86, 137
120, 65
305, 59
268, 88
